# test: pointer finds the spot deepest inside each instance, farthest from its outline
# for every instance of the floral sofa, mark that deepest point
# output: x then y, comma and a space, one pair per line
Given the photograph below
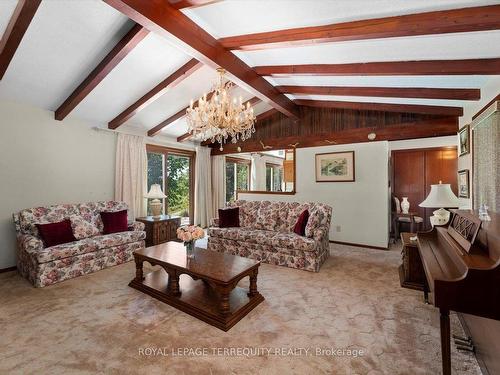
46, 266
266, 234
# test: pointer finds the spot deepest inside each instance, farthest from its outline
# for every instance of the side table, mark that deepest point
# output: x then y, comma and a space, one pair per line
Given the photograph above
411, 271
161, 229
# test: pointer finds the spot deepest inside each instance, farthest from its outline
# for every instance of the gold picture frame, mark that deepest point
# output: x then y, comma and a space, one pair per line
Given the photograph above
335, 167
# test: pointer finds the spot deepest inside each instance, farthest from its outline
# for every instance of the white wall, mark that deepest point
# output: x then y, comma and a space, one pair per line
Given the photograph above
360, 208
488, 92
409, 144
43, 162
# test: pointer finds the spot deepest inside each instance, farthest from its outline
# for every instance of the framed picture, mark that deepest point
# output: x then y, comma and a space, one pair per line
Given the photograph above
464, 147
463, 184
335, 167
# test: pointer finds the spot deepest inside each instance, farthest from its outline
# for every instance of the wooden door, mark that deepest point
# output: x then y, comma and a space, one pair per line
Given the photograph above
413, 172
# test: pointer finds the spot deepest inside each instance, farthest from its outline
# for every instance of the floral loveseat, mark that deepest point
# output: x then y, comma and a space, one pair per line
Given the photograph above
266, 234
46, 266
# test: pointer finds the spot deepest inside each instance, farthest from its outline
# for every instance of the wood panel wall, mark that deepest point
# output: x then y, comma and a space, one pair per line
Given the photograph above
326, 126
414, 171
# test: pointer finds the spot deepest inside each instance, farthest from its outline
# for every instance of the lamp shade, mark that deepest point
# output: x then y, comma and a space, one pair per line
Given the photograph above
155, 192
440, 196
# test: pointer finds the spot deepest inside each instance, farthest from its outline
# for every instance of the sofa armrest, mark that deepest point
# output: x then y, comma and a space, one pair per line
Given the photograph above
214, 222
136, 226
29, 243
319, 234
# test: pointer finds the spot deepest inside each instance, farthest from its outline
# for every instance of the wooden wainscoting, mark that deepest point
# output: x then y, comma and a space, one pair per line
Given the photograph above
413, 172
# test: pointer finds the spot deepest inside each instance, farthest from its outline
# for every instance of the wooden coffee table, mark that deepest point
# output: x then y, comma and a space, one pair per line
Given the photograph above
204, 287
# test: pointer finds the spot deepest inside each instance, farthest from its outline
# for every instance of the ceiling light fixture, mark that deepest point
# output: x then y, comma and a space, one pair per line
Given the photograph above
220, 117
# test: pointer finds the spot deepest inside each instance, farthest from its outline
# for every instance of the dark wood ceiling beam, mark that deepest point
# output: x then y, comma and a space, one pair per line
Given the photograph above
188, 135
112, 59
384, 107
393, 92
162, 18
415, 130
16, 28
167, 84
438, 22
388, 68
184, 4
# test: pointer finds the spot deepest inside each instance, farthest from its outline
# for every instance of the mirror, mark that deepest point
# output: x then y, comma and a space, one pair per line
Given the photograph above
265, 172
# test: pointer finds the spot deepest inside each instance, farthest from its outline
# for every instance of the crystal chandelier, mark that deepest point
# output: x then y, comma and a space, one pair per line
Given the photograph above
219, 117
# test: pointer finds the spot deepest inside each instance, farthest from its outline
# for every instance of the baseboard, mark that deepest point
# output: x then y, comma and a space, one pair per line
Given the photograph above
360, 245
8, 269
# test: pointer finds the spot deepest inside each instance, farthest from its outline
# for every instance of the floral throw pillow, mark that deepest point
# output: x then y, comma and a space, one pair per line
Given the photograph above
83, 228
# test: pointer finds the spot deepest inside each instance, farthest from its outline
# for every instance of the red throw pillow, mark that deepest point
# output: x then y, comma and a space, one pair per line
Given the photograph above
114, 222
56, 233
300, 225
229, 217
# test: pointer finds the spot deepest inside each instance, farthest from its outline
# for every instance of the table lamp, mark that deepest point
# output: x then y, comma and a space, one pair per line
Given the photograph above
440, 196
155, 194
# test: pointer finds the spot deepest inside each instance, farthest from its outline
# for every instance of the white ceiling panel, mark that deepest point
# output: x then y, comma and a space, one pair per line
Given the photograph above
63, 43
372, 99
173, 101
383, 81
6, 10
153, 60
474, 45
233, 17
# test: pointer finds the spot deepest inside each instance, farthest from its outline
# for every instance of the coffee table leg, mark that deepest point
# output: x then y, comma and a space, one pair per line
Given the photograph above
224, 301
253, 284
173, 284
138, 270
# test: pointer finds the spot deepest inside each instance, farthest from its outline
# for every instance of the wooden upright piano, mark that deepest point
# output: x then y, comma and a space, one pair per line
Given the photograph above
462, 268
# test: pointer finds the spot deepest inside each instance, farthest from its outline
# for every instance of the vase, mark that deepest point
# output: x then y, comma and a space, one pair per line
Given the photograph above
189, 249
405, 205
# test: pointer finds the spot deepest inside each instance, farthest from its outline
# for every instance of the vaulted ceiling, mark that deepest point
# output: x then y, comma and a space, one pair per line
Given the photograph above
135, 65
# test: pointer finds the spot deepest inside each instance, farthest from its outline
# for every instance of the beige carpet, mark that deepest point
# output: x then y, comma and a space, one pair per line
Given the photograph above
96, 324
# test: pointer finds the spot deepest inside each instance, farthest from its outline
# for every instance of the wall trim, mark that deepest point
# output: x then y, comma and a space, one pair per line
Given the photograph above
360, 245
8, 269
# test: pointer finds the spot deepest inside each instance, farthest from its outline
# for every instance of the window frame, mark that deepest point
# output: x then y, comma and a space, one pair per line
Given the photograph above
236, 160
166, 151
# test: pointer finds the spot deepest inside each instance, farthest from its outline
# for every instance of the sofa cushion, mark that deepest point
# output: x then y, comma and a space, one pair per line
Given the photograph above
300, 225
114, 222
320, 215
53, 234
268, 215
294, 209
293, 241
65, 250
28, 218
87, 245
251, 235
229, 217
83, 228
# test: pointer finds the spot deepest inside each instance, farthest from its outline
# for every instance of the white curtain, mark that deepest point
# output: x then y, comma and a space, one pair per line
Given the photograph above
218, 183
258, 173
130, 174
203, 209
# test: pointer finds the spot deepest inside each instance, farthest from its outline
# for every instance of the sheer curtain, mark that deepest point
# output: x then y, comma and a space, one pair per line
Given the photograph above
258, 173
218, 183
203, 209
486, 168
130, 174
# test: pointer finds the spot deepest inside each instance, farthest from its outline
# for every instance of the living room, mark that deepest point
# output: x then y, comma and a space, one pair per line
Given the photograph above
219, 186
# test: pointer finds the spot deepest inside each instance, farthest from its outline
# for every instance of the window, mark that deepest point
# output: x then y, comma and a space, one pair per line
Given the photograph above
237, 176
174, 170
274, 177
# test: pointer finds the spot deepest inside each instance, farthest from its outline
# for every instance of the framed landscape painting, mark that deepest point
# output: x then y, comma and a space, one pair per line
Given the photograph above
335, 167
463, 134
463, 184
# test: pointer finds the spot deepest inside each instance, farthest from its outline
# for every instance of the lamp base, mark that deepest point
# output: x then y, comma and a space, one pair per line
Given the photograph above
155, 205
441, 217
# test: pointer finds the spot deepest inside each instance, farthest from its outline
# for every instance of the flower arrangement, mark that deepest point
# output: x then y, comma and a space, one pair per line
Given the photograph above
190, 233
